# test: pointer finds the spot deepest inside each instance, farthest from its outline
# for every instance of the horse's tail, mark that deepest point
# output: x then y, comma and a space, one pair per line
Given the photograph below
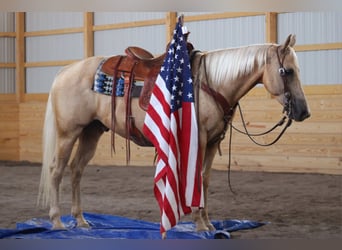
49, 145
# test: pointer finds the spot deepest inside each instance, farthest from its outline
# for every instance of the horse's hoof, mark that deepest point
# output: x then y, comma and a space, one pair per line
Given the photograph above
58, 226
81, 222
211, 227
202, 228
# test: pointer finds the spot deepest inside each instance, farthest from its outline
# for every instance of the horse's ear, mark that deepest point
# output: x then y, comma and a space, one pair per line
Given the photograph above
290, 42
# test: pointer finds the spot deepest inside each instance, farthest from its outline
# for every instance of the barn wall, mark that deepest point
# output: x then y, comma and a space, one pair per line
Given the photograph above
311, 146
112, 42
9, 127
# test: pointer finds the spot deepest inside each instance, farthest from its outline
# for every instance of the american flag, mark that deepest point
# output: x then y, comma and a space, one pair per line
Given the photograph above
171, 125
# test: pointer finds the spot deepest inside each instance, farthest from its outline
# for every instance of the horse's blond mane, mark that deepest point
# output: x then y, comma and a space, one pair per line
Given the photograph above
228, 64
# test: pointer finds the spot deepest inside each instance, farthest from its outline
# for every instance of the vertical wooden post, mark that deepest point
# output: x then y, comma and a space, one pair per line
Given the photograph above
20, 75
88, 34
171, 21
271, 27
271, 31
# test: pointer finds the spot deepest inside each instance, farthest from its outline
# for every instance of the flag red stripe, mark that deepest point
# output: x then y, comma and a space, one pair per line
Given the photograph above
171, 125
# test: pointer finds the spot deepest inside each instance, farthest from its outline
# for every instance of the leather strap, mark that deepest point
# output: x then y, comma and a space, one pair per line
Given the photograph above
113, 103
129, 112
228, 111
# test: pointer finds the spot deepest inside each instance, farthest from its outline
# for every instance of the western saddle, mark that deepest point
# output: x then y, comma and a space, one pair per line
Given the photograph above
137, 65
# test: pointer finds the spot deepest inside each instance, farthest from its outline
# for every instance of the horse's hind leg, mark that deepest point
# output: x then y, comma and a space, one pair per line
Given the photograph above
63, 151
87, 145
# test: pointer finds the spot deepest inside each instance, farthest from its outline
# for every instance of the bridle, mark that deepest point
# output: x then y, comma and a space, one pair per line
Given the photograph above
229, 110
284, 73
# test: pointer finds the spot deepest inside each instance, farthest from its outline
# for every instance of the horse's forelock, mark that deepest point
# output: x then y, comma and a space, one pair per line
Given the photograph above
229, 64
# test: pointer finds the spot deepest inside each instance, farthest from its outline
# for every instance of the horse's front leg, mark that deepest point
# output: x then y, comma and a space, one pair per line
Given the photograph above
200, 216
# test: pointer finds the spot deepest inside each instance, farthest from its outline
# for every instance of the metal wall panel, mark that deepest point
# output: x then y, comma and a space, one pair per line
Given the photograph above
320, 67
317, 67
36, 21
113, 42
311, 27
7, 80
224, 33
7, 52
101, 18
52, 47
55, 47
7, 44
7, 22
7, 49
39, 79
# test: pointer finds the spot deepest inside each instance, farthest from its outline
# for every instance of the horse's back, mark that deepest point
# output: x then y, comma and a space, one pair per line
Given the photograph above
73, 99
81, 71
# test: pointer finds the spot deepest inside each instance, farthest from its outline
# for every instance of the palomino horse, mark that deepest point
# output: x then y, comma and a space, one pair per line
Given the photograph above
74, 111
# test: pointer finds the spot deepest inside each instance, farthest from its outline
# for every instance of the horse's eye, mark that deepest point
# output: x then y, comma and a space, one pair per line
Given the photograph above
289, 71
282, 71
285, 72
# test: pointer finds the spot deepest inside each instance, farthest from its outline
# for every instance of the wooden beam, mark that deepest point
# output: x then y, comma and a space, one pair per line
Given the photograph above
313, 47
7, 65
20, 81
171, 21
271, 27
7, 34
53, 32
7, 98
129, 25
36, 97
48, 63
224, 15
323, 89
88, 34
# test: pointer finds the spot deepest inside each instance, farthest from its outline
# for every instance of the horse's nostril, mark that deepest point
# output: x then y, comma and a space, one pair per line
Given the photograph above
303, 116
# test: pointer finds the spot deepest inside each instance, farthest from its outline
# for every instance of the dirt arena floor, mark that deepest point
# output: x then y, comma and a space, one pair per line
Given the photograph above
305, 206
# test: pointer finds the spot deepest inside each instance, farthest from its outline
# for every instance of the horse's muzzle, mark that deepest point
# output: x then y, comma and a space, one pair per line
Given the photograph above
299, 110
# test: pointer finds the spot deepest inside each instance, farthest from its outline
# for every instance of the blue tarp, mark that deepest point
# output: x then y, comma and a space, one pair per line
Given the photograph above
116, 227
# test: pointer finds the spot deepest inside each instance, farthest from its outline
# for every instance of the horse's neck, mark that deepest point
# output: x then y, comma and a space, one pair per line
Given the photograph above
236, 71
